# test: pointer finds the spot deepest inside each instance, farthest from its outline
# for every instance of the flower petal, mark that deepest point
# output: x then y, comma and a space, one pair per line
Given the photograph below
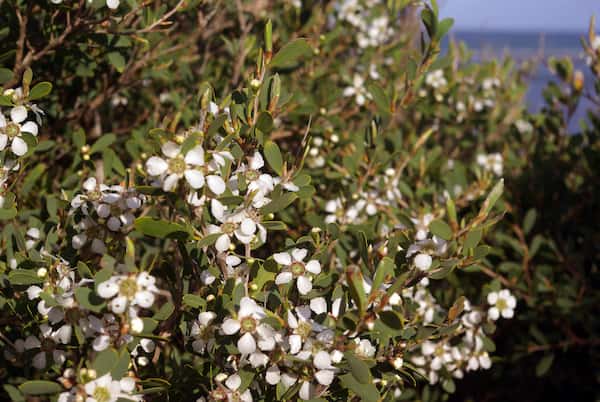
233, 382
19, 146
230, 326
314, 267
170, 182
222, 243
322, 360
107, 289
324, 377
30, 127
246, 344
318, 305
18, 114
283, 277
299, 254
170, 149
304, 285
156, 166
195, 156
216, 184
195, 178
282, 258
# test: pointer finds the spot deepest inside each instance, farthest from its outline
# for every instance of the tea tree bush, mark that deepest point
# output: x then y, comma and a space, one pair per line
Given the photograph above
227, 200
544, 248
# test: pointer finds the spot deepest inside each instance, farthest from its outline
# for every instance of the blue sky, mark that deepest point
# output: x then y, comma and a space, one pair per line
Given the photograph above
521, 15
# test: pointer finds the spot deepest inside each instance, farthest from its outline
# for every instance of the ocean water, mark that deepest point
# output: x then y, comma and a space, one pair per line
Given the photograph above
523, 46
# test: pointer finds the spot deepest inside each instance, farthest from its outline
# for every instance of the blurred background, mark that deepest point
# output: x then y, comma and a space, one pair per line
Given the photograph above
527, 30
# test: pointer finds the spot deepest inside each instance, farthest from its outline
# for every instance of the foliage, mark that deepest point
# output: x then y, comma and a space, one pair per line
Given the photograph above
227, 200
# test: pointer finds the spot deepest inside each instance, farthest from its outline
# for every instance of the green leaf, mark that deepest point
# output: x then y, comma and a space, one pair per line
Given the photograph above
39, 387
102, 143
380, 98
105, 361
358, 368
472, 239
544, 365
13, 393
27, 76
208, 240
88, 299
273, 155
160, 228
102, 276
119, 369
449, 386
441, 229
165, 311
274, 225
194, 301
492, 198
366, 392
24, 277
357, 290
5, 75
451, 209
32, 177
279, 203
265, 122
79, 138
6, 100
363, 247
385, 269
7, 213
529, 221
117, 60
443, 28
40, 90
291, 53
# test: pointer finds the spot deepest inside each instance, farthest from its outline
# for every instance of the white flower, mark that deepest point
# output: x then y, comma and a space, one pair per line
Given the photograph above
423, 261
335, 208
255, 335
134, 290
364, 348
203, 332
436, 79
422, 225
105, 389
324, 375
47, 343
176, 166
303, 326
232, 393
524, 126
261, 184
112, 4
492, 163
238, 224
503, 304
295, 268
11, 131
357, 89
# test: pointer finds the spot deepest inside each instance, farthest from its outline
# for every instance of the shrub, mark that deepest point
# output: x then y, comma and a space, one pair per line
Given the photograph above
267, 200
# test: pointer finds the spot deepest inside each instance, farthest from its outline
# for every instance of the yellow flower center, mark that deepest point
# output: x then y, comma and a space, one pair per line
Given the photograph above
177, 165
12, 130
248, 324
101, 394
128, 288
297, 268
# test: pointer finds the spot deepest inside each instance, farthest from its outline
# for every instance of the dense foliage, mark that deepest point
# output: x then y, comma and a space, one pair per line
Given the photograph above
266, 200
